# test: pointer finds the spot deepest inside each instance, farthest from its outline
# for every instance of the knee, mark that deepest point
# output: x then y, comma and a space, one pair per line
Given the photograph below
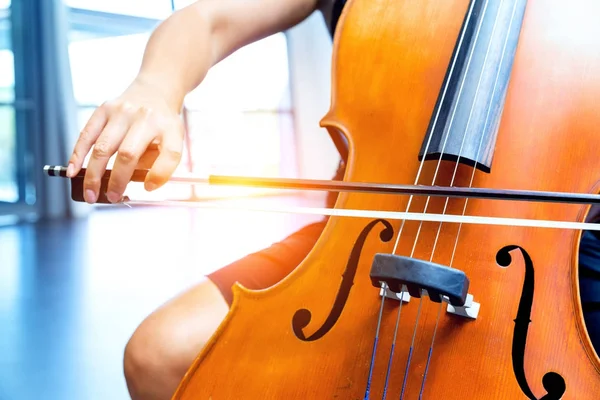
165, 345
155, 361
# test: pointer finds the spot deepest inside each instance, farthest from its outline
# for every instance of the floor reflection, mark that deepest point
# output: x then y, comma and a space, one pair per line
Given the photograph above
72, 292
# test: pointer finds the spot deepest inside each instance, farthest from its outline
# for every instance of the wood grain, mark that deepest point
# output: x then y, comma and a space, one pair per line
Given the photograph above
390, 57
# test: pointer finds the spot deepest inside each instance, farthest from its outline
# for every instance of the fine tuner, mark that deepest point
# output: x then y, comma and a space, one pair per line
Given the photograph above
139, 175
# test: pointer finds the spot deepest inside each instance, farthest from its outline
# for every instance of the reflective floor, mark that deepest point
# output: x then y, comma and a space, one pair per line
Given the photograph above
73, 291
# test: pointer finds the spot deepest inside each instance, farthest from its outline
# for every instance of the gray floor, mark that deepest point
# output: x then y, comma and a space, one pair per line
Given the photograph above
73, 291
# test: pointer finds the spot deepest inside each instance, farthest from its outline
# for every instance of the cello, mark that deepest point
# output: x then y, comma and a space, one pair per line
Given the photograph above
466, 94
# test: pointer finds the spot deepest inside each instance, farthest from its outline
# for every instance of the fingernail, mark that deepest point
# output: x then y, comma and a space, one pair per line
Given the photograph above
150, 186
90, 196
70, 170
113, 197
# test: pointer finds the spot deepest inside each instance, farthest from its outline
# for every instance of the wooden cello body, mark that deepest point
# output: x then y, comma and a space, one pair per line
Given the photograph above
313, 335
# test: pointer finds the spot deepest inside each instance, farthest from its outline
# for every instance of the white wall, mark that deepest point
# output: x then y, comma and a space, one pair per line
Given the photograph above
310, 47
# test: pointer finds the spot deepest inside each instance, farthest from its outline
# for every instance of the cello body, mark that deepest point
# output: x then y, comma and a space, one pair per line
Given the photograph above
312, 336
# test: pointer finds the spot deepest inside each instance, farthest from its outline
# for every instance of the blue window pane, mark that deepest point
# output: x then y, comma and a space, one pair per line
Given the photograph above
7, 67
9, 189
141, 8
7, 76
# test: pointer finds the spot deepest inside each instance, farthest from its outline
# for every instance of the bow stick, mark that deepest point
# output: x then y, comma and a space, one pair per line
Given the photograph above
139, 175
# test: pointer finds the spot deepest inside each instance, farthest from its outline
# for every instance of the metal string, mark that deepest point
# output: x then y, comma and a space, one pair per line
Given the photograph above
439, 162
383, 286
473, 174
485, 126
389, 366
435, 242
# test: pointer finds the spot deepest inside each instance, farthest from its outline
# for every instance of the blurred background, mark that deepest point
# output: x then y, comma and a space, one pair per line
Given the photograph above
75, 279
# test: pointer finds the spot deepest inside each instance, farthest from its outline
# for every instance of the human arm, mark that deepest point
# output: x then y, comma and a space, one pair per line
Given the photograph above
142, 125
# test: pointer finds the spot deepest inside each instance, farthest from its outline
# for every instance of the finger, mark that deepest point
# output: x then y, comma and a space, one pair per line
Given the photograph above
132, 148
109, 141
86, 139
148, 158
167, 161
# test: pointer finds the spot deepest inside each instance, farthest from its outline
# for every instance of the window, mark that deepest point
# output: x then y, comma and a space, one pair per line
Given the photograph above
239, 119
139, 8
9, 188
7, 66
182, 3
96, 77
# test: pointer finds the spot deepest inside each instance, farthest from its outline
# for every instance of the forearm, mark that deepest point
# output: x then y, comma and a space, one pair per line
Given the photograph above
186, 45
178, 55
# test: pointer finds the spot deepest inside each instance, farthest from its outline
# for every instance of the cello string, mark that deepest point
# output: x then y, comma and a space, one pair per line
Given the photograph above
481, 141
463, 80
372, 365
434, 125
429, 354
477, 91
412, 346
437, 169
420, 169
389, 366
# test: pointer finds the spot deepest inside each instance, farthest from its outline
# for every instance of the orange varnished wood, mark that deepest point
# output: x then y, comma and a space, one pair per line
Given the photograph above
390, 57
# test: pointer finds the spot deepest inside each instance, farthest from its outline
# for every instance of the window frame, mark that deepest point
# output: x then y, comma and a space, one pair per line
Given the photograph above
24, 46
